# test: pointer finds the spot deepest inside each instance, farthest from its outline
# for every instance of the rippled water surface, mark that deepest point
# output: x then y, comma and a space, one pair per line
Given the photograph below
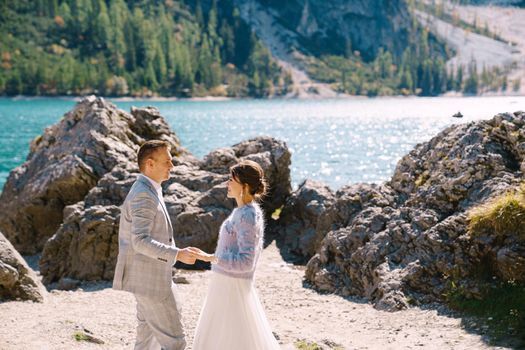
334, 141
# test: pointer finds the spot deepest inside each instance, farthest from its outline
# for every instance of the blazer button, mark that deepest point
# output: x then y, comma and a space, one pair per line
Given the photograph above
170, 240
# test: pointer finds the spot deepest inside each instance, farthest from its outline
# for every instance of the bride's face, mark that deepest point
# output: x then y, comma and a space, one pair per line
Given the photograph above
234, 187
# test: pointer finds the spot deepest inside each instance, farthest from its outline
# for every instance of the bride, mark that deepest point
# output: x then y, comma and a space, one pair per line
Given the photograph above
232, 317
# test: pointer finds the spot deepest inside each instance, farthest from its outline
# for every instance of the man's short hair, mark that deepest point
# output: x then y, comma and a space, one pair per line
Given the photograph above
147, 149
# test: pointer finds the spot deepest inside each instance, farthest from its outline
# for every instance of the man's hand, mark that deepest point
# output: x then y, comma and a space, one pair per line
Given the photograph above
202, 255
186, 256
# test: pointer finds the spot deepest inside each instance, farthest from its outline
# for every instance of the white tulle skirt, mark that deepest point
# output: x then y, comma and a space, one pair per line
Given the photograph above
233, 318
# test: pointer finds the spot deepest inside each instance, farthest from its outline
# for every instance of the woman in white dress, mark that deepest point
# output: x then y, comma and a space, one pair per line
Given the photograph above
232, 317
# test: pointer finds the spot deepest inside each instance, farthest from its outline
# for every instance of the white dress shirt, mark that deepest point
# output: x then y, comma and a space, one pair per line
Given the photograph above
158, 188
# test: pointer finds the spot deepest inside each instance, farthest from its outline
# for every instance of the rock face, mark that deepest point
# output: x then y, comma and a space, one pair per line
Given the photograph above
67, 161
407, 239
299, 218
84, 245
331, 27
17, 280
313, 210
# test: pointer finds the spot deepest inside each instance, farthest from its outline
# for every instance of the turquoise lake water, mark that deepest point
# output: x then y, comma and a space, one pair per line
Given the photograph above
335, 141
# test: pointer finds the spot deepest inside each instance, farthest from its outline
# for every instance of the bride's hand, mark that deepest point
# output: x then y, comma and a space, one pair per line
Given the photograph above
202, 255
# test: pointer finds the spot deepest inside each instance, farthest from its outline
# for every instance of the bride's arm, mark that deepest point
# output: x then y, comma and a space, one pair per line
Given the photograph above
241, 260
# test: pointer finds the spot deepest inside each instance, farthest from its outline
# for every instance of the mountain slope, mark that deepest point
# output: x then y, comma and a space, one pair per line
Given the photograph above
279, 41
337, 26
259, 48
62, 47
350, 46
487, 39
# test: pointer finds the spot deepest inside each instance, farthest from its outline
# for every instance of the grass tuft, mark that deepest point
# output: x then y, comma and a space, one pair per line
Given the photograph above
303, 344
83, 336
502, 216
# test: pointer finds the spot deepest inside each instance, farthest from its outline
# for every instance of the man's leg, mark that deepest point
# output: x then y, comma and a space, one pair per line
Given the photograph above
163, 318
145, 338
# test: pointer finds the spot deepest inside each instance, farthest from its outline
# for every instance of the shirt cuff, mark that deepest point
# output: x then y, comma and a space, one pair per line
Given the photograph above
175, 255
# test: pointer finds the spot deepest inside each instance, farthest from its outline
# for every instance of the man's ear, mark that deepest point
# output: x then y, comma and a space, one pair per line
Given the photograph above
149, 162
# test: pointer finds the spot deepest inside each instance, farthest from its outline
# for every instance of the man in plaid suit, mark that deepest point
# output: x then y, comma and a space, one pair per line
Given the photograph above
147, 253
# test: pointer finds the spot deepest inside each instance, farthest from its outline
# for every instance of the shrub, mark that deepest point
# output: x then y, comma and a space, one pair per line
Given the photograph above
501, 216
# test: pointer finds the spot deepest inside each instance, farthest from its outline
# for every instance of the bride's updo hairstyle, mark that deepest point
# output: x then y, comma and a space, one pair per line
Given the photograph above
249, 173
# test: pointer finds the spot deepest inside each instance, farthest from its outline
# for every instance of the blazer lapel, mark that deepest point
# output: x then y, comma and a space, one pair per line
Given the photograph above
150, 187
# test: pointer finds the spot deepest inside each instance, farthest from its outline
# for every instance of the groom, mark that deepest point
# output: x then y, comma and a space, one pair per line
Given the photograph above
147, 253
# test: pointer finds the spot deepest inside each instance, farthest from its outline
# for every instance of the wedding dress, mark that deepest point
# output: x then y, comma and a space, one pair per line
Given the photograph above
232, 317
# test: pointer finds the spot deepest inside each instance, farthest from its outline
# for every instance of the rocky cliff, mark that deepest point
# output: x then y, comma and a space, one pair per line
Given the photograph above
67, 160
408, 240
333, 27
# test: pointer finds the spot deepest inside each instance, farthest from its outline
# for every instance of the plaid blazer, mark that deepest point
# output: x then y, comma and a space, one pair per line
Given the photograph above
147, 251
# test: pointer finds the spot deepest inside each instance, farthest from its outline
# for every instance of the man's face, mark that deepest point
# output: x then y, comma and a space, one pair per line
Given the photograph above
160, 165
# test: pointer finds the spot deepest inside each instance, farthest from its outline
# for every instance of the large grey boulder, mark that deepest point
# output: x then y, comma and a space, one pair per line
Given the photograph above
413, 243
298, 220
85, 247
450, 171
67, 161
65, 198
313, 210
17, 280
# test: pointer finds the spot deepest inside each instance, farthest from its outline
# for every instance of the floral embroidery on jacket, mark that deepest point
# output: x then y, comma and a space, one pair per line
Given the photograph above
240, 241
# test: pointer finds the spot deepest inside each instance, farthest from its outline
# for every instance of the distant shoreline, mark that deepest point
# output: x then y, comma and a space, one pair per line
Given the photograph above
123, 98
223, 98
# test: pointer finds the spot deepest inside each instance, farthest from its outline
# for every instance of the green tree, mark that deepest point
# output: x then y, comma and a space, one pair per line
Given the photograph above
135, 46
159, 63
472, 82
118, 14
14, 84
65, 12
204, 73
451, 80
504, 84
52, 9
130, 55
64, 75
185, 71
427, 81
439, 77
516, 85
228, 37
101, 30
198, 14
212, 23
459, 79
406, 81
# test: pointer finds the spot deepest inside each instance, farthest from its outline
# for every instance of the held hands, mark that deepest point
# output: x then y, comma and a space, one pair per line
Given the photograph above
202, 255
186, 256
190, 254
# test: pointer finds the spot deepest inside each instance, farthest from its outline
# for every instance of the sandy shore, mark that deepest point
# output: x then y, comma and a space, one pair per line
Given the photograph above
294, 312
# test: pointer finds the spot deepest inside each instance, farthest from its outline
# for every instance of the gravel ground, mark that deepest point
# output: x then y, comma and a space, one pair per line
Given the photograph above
295, 312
